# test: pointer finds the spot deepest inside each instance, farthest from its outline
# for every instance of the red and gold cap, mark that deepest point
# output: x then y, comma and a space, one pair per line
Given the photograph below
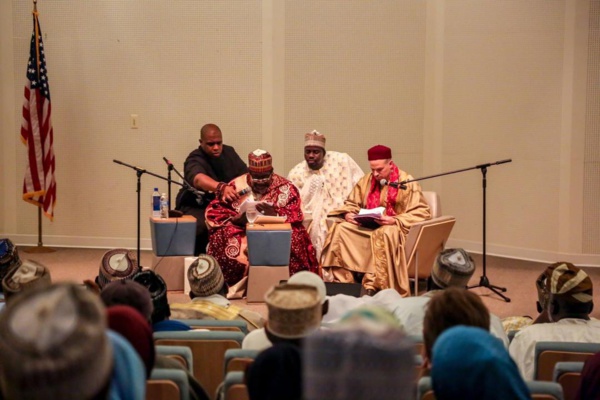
260, 161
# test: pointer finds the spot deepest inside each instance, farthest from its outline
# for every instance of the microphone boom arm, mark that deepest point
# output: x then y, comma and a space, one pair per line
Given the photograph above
402, 184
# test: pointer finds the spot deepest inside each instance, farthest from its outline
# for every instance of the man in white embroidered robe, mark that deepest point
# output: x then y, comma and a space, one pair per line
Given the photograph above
324, 179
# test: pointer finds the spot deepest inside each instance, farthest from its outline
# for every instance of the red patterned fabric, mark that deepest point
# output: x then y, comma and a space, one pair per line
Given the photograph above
375, 193
227, 242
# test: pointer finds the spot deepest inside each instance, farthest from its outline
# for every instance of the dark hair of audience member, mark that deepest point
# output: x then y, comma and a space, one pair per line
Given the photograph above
276, 374
451, 307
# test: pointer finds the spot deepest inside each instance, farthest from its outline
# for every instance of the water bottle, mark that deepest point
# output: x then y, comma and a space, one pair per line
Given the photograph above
155, 203
164, 206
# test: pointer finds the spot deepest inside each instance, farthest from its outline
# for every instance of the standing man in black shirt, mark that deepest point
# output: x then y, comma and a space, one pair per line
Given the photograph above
209, 168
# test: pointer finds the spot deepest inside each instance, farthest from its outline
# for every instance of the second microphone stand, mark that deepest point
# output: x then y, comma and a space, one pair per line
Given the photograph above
483, 281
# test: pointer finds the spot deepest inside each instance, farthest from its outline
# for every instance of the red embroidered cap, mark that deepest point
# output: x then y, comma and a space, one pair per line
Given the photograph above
379, 152
259, 161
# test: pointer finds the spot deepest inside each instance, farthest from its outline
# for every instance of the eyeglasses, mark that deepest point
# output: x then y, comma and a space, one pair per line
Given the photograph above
262, 180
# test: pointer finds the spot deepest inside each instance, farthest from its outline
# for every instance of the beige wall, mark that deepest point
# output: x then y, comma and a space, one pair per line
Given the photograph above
447, 84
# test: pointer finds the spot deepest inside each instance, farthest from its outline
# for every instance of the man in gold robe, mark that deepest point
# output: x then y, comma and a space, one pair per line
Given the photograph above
351, 248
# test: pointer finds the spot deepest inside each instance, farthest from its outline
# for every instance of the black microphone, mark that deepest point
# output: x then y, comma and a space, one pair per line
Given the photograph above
244, 191
384, 182
169, 163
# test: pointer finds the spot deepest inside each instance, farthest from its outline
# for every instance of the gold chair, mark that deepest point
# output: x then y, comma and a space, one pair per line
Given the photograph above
182, 354
239, 359
426, 239
547, 354
167, 384
208, 351
568, 375
235, 387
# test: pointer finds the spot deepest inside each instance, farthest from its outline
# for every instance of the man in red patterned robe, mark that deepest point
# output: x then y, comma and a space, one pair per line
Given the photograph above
227, 225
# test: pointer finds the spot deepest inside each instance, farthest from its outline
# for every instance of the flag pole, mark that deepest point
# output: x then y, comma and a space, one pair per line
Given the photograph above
40, 248
40, 245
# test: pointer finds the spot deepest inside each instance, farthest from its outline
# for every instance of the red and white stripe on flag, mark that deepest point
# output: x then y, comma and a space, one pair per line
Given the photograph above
39, 185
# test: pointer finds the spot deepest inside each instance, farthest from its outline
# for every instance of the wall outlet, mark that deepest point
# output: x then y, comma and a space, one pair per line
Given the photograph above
134, 121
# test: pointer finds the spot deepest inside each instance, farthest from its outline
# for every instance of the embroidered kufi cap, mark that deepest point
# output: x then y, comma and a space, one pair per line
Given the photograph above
294, 310
379, 152
315, 139
310, 279
452, 267
569, 282
115, 265
54, 345
260, 161
28, 274
205, 276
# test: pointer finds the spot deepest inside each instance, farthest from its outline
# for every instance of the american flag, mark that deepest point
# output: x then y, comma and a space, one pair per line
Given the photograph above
39, 185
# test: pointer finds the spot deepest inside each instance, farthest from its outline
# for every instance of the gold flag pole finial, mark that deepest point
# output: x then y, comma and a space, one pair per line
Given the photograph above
34, 6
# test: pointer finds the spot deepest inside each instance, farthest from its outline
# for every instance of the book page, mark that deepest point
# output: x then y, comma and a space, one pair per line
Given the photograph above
249, 203
366, 217
372, 212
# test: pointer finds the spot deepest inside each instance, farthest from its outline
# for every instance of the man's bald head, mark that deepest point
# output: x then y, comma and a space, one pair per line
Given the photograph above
211, 140
208, 129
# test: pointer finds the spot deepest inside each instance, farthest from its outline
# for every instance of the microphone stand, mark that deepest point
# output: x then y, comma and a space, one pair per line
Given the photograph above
169, 169
484, 281
199, 193
139, 173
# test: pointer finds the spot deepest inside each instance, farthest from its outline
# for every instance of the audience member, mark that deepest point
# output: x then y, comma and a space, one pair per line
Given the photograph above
452, 268
566, 295
367, 356
259, 339
128, 292
209, 168
9, 257
589, 387
161, 310
128, 322
276, 373
207, 291
351, 249
54, 345
294, 312
470, 364
324, 179
277, 197
25, 276
128, 379
448, 308
116, 264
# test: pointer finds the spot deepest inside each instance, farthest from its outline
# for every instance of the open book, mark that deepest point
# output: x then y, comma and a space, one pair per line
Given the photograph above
262, 219
367, 217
